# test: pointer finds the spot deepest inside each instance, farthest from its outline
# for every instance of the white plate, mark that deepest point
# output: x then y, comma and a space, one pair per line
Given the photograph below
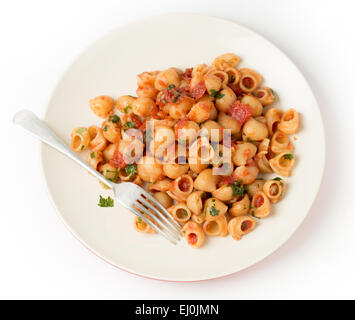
110, 67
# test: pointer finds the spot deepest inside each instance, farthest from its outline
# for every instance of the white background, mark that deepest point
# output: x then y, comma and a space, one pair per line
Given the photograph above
39, 258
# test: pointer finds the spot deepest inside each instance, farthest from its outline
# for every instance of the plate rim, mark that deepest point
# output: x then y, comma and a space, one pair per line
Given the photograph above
217, 19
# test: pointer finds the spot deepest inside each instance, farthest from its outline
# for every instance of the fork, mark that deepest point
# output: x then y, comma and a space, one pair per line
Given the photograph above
128, 194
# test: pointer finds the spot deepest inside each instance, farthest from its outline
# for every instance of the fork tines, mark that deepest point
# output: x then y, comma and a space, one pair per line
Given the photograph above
156, 216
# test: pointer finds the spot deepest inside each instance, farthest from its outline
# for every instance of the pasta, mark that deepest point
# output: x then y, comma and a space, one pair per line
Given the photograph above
200, 140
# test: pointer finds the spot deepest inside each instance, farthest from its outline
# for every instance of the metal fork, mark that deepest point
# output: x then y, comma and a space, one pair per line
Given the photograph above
128, 194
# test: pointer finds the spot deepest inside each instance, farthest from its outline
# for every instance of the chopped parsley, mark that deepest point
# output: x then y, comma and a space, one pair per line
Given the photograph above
114, 118
116, 172
105, 128
216, 94
272, 92
253, 214
127, 108
232, 78
277, 179
129, 124
81, 130
139, 220
250, 140
92, 155
131, 170
105, 202
238, 190
171, 86
176, 97
213, 211
204, 210
288, 156
185, 213
82, 147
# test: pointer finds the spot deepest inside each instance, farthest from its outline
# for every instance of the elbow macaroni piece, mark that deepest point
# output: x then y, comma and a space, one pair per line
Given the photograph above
97, 140
244, 152
167, 77
214, 209
124, 104
290, 122
254, 103
249, 80
180, 212
206, 181
149, 170
260, 205
226, 100
225, 61
282, 164
141, 226
265, 95
163, 199
280, 142
273, 118
240, 207
194, 234
181, 187
102, 106
216, 228
239, 226
254, 130
145, 83
195, 202
274, 190
80, 139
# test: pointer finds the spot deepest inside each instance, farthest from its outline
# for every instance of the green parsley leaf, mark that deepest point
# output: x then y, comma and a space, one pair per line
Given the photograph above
105, 128
129, 124
92, 155
216, 94
131, 170
176, 97
253, 214
232, 78
277, 179
250, 140
114, 118
139, 220
214, 211
105, 202
82, 147
273, 92
185, 213
288, 156
204, 210
238, 190
127, 108
171, 86
81, 130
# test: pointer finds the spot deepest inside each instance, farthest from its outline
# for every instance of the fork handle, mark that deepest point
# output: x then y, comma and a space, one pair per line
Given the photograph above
31, 123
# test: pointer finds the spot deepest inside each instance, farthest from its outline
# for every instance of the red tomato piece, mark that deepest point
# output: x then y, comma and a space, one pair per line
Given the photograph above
117, 161
259, 201
240, 111
192, 238
199, 90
